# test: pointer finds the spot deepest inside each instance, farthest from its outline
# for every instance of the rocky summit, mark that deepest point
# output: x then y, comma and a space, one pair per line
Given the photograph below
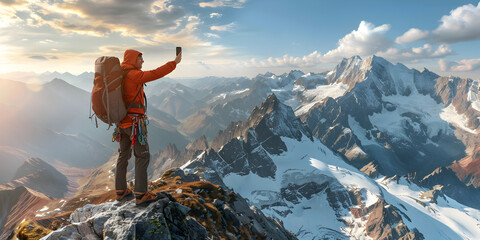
187, 209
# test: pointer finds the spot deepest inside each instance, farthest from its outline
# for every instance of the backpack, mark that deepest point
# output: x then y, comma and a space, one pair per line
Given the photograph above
107, 94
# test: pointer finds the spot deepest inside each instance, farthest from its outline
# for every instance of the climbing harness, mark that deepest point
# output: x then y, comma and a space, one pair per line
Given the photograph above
139, 130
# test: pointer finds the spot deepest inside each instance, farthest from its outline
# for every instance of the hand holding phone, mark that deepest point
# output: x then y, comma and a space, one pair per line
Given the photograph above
178, 57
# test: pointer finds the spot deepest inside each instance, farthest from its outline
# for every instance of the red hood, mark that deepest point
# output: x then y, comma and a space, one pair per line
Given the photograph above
130, 59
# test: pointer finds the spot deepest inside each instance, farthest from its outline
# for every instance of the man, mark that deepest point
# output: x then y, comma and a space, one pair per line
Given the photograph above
132, 129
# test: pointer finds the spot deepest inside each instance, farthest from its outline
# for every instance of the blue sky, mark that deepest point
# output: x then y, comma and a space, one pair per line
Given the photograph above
240, 37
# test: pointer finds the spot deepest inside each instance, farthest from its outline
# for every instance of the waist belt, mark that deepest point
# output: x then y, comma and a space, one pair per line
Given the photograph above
137, 105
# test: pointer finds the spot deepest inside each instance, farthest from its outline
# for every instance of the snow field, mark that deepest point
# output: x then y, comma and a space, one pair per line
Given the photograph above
447, 219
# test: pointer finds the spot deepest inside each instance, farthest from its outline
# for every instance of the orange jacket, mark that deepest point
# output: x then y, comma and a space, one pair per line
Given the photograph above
135, 79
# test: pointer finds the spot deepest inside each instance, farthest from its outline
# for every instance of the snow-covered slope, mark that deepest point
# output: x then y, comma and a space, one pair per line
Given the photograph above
400, 119
315, 193
295, 196
434, 214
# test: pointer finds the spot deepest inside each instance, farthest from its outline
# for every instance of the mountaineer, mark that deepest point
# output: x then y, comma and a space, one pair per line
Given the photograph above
131, 131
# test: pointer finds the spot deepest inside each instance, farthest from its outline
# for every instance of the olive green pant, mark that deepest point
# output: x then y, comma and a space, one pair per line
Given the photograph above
142, 159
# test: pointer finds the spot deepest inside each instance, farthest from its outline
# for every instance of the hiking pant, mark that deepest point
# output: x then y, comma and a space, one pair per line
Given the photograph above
142, 159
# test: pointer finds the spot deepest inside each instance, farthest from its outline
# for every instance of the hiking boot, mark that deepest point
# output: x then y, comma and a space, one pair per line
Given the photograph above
121, 194
146, 197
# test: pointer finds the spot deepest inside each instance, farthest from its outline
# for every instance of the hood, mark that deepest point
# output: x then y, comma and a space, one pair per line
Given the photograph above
130, 59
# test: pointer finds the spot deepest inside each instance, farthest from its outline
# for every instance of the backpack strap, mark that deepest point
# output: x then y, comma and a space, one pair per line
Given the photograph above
133, 104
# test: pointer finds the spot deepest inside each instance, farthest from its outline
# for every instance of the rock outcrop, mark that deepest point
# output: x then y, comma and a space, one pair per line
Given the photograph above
187, 209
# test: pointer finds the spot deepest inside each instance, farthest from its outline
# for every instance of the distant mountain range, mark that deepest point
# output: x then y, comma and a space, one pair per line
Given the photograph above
369, 149
52, 122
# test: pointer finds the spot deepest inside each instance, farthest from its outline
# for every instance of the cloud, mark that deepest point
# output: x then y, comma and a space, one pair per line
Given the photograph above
143, 17
415, 54
83, 29
223, 3
463, 24
412, 35
316, 58
38, 57
444, 65
215, 15
47, 41
184, 37
99, 18
366, 40
288, 61
211, 35
11, 3
464, 65
228, 27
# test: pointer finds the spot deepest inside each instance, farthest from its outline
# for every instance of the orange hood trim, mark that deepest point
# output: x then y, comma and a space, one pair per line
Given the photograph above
130, 59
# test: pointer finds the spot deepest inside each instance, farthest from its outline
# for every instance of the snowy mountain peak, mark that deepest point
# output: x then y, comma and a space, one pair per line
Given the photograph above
378, 60
271, 104
280, 118
295, 74
350, 71
271, 118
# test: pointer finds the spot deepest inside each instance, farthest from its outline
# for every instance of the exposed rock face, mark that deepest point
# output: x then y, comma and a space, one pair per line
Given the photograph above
244, 146
433, 194
271, 118
468, 169
328, 122
452, 186
385, 222
200, 144
162, 219
347, 124
187, 210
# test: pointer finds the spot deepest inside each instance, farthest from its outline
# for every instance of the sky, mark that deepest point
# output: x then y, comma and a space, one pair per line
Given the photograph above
234, 38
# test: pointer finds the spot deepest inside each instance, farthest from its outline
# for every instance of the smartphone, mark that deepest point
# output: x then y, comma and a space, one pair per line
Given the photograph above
179, 49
